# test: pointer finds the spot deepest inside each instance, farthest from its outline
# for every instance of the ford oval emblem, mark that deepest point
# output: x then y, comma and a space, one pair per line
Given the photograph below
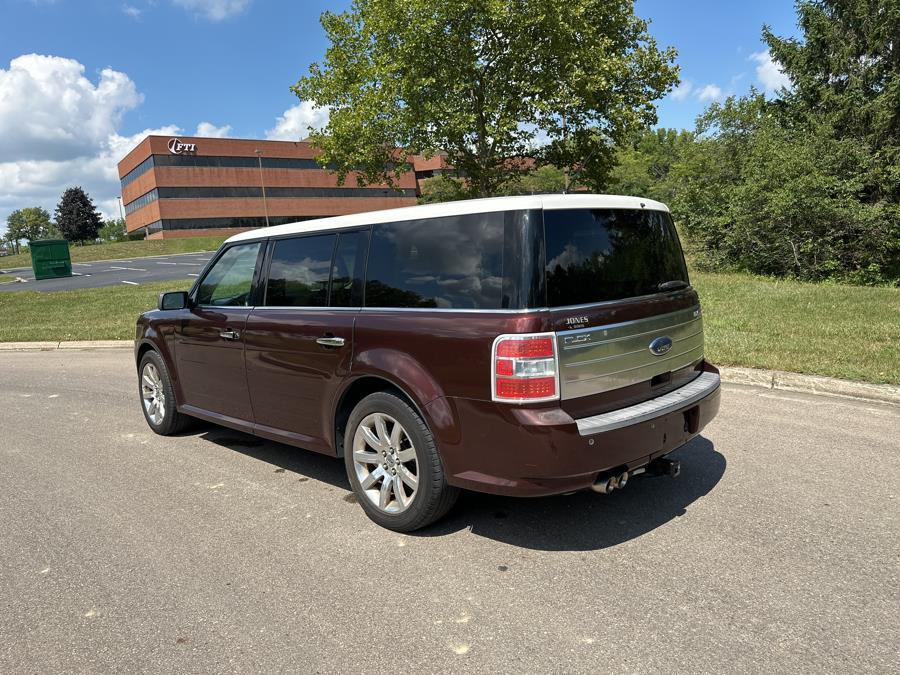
661, 345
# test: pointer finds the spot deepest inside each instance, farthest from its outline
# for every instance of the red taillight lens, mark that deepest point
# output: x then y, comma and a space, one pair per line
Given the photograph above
504, 367
526, 348
523, 389
524, 368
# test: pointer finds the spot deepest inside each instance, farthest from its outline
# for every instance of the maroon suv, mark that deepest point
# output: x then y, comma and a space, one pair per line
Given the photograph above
521, 346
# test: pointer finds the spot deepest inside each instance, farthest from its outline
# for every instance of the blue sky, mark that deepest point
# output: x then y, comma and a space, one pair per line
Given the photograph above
123, 68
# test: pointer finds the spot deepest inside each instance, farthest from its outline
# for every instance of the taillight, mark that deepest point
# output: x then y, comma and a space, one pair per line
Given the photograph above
524, 368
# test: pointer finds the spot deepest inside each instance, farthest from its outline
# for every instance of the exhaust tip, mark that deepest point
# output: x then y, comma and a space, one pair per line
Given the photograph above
605, 485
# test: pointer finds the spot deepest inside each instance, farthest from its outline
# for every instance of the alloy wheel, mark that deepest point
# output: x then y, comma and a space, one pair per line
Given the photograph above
153, 394
385, 462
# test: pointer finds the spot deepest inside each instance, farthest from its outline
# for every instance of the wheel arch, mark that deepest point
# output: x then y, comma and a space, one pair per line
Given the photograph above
355, 392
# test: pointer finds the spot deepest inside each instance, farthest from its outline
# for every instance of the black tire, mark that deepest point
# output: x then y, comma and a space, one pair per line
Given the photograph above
433, 497
171, 421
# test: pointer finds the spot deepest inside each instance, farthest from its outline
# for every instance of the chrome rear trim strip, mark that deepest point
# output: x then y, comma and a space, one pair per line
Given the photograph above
690, 393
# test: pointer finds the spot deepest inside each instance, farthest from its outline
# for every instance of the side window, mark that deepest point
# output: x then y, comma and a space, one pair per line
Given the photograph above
298, 274
230, 280
450, 262
346, 276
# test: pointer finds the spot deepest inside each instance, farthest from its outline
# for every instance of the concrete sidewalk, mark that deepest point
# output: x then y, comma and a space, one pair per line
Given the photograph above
769, 379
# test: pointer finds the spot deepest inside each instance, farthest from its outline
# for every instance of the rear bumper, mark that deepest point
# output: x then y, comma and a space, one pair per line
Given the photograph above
514, 451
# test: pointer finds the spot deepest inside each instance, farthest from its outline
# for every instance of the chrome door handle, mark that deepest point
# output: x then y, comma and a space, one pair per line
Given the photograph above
229, 334
331, 341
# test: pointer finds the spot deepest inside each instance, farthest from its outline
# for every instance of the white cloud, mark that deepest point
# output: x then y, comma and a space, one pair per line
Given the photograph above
59, 129
50, 110
132, 11
769, 72
710, 92
682, 91
295, 122
212, 131
214, 10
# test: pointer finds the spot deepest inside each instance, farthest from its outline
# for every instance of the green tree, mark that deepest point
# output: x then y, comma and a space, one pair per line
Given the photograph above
113, 230
643, 165
806, 184
441, 188
76, 217
30, 224
483, 81
545, 179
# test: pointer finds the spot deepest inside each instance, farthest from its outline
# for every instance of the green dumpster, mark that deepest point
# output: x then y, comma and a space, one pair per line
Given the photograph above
50, 258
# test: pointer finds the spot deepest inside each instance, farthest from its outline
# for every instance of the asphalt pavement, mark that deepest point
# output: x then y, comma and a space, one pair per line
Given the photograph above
776, 550
130, 271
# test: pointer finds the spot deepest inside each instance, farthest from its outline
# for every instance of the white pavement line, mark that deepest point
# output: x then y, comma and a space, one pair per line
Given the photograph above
83, 264
160, 255
162, 263
193, 275
131, 283
133, 269
76, 274
191, 264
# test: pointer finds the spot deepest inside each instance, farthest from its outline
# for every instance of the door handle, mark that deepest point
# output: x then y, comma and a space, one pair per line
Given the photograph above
330, 341
229, 334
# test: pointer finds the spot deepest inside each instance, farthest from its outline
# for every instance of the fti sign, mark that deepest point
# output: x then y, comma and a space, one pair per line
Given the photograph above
176, 147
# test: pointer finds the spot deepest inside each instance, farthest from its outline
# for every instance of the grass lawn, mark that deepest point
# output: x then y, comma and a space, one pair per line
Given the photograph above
124, 249
849, 332
107, 313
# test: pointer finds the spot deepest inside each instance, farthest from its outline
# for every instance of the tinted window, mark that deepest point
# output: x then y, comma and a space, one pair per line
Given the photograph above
231, 277
349, 260
298, 274
451, 262
598, 255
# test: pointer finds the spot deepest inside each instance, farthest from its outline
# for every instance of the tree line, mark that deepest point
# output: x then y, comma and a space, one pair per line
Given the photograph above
529, 96
76, 220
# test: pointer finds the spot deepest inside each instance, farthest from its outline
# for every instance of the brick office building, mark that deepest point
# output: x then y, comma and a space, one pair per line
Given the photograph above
186, 186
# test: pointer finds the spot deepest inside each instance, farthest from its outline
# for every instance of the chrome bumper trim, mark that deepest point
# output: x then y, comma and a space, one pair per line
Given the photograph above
690, 393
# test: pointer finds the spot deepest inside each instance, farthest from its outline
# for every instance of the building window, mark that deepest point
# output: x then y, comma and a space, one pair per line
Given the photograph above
140, 202
139, 170
280, 192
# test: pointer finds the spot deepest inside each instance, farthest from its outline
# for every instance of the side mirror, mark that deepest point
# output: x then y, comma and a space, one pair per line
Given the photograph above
173, 300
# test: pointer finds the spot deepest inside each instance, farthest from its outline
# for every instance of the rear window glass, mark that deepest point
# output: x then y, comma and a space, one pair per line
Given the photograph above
609, 254
299, 272
453, 262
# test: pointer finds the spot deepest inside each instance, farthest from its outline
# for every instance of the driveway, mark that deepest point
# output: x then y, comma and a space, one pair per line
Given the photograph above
130, 271
121, 551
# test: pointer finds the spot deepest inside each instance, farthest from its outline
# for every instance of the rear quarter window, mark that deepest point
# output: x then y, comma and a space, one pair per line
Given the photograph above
597, 255
452, 262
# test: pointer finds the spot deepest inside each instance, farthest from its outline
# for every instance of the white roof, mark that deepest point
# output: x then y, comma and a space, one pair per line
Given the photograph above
493, 204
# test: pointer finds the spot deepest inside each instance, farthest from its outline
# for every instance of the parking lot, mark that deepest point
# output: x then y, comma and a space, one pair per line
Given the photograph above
133, 271
776, 550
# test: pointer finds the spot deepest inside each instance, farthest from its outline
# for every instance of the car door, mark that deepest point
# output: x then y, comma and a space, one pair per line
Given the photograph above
209, 342
299, 340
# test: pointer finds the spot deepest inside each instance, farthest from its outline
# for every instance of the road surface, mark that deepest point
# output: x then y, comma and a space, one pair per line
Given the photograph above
133, 271
121, 551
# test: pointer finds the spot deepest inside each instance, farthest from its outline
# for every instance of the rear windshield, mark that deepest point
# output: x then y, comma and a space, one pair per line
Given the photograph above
610, 254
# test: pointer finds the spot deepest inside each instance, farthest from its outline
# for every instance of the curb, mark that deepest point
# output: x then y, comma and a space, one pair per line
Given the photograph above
72, 345
811, 384
767, 379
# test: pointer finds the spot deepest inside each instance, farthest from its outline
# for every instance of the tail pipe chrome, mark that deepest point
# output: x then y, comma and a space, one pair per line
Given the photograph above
607, 483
